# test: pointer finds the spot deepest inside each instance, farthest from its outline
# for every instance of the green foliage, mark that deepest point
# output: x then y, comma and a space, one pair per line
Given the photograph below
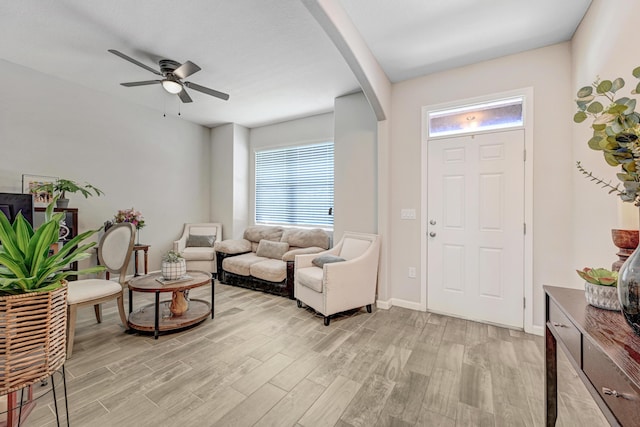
25, 262
599, 276
616, 132
172, 257
62, 186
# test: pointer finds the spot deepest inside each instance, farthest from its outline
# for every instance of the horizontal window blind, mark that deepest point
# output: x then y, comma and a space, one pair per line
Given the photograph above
294, 185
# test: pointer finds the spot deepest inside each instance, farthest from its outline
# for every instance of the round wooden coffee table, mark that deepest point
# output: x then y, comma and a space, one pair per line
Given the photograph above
169, 315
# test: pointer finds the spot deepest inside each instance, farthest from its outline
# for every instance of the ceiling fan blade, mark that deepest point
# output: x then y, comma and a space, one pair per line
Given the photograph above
206, 90
184, 96
186, 69
134, 61
144, 83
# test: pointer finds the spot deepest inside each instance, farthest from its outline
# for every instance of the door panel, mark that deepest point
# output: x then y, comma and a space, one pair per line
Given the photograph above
475, 265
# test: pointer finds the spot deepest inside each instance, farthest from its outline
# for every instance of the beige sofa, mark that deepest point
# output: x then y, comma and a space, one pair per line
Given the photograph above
263, 258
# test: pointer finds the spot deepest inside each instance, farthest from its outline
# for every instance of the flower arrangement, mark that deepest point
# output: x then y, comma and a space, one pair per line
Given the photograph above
130, 215
616, 128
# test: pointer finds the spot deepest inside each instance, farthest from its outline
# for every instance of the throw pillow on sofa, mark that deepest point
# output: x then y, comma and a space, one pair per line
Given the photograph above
321, 260
270, 249
200, 241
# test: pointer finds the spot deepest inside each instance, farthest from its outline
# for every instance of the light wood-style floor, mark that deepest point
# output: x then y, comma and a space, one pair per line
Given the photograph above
262, 361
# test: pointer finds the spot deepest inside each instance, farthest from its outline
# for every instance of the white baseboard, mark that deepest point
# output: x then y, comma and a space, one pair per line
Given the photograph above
537, 330
385, 305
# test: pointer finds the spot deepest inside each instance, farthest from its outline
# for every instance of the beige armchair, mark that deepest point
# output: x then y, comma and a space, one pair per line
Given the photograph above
348, 278
196, 245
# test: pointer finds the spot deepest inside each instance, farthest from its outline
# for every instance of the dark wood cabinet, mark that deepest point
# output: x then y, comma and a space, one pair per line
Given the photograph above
602, 348
71, 224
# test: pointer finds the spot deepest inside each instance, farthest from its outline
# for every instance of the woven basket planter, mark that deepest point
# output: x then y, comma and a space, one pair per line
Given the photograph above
32, 337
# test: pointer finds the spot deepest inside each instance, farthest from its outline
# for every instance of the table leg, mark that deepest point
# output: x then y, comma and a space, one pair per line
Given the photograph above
551, 379
212, 296
157, 321
146, 261
135, 263
130, 300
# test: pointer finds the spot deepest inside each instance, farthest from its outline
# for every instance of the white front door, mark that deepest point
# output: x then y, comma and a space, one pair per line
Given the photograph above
475, 242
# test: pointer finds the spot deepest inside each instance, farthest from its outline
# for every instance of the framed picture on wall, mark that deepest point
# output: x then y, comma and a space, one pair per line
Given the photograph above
30, 183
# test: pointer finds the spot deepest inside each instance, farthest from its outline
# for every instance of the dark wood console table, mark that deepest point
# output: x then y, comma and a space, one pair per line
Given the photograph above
602, 348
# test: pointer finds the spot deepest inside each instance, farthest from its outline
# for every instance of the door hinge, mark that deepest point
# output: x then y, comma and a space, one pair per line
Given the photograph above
524, 228
524, 155
524, 303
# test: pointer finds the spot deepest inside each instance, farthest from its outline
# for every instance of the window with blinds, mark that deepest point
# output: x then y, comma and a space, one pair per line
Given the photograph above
294, 185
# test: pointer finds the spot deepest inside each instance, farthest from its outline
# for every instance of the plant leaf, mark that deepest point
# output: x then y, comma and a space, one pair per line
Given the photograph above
580, 117
585, 91
595, 107
604, 86
617, 84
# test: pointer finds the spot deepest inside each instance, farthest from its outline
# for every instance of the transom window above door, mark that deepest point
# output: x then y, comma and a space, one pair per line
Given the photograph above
500, 114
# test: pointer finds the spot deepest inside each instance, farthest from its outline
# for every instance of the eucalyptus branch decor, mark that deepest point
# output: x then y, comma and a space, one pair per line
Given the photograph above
616, 128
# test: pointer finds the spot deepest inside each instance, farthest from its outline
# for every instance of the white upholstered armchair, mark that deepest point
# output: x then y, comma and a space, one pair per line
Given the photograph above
347, 279
196, 245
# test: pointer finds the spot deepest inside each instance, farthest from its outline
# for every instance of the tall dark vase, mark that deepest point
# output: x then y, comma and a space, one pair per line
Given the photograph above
629, 290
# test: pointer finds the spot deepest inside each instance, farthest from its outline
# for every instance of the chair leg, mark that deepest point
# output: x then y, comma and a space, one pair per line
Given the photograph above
326, 320
98, 310
123, 316
368, 308
72, 312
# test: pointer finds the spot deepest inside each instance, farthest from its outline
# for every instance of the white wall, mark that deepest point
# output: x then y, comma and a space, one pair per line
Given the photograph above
317, 128
159, 165
605, 46
547, 70
230, 179
356, 161
221, 178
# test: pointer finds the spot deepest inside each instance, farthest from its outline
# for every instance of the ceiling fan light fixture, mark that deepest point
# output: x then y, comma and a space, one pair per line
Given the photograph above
172, 86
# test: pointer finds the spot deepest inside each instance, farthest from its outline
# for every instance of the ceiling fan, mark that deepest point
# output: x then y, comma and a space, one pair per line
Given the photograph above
172, 73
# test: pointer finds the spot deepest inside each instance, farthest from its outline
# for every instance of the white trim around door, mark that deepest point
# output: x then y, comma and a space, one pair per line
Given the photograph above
528, 127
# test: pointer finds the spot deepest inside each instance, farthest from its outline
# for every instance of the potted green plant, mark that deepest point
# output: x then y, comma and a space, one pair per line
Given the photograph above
33, 297
174, 265
63, 186
600, 287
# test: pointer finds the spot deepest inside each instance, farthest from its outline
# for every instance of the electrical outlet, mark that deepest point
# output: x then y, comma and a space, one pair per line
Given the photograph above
412, 272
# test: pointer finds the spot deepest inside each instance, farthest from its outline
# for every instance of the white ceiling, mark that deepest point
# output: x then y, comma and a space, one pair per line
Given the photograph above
270, 56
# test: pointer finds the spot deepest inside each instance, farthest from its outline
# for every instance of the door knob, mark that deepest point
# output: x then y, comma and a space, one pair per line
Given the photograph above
432, 222
432, 234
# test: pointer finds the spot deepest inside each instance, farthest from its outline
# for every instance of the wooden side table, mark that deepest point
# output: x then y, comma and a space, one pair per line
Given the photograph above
136, 248
602, 348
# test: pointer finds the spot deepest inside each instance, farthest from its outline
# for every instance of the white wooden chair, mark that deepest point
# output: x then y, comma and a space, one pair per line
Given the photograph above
114, 252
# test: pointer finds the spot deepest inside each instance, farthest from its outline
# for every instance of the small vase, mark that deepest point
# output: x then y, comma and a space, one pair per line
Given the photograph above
137, 236
629, 290
179, 303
